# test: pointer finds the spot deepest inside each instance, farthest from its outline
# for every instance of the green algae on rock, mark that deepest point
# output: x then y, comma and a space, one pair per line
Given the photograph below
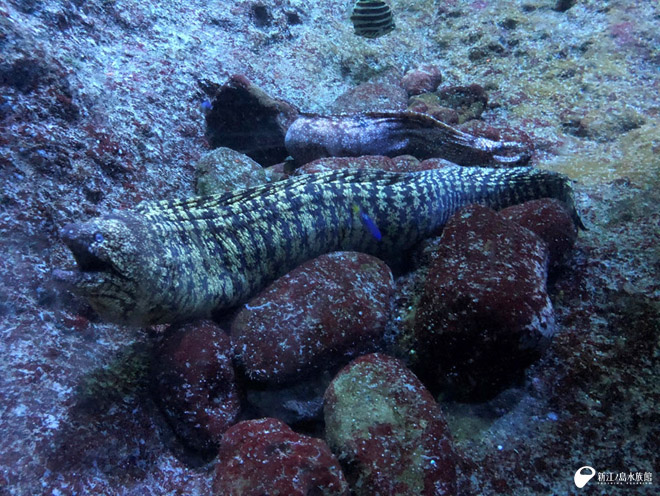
388, 431
632, 155
224, 169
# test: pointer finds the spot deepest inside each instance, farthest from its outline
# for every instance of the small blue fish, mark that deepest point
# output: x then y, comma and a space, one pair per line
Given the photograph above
368, 222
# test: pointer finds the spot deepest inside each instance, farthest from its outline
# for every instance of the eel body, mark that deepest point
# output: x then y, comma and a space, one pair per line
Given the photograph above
396, 133
179, 259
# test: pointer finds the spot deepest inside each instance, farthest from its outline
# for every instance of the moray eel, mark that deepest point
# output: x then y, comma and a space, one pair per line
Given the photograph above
180, 259
396, 133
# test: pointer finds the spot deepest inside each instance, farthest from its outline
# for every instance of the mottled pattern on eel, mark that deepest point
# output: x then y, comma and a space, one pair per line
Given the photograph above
175, 260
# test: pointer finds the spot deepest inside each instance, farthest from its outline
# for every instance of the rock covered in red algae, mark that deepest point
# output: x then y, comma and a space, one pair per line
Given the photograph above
194, 383
549, 220
403, 163
425, 79
371, 97
477, 127
484, 313
317, 316
264, 456
243, 117
453, 104
469, 101
428, 103
388, 431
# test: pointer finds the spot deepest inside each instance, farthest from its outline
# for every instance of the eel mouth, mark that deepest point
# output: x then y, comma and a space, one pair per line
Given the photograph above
91, 269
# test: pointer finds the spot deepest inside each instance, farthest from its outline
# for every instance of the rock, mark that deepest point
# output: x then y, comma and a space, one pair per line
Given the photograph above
317, 316
194, 384
403, 163
425, 79
469, 101
428, 103
224, 169
261, 15
640, 160
243, 117
264, 456
434, 163
388, 431
443, 114
484, 313
371, 97
279, 171
603, 125
484, 130
549, 220
275, 20
486, 50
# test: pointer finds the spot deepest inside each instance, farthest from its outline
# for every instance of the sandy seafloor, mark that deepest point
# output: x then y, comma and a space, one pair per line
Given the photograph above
106, 112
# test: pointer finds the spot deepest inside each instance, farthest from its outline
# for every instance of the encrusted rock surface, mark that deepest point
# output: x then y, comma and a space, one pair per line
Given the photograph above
194, 383
224, 169
424, 79
469, 102
265, 456
371, 97
484, 313
317, 316
388, 431
404, 163
102, 106
550, 220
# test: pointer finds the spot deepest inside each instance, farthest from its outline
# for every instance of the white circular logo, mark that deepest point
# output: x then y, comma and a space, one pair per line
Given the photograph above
581, 479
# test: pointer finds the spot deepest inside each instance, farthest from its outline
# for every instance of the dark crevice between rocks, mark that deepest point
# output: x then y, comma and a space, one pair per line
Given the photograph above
261, 16
247, 120
564, 5
293, 18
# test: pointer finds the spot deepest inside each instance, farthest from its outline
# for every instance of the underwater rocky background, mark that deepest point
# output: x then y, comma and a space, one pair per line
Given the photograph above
103, 104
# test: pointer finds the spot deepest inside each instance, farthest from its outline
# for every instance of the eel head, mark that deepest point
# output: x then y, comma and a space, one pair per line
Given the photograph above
109, 264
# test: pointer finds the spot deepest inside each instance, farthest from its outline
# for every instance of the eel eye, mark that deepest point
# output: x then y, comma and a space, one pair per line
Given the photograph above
98, 237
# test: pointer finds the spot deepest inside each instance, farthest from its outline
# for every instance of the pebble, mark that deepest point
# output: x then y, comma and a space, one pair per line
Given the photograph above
318, 316
265, 457
551, 221
484, 313
224, 169
424, 79
388, 431
195, 385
